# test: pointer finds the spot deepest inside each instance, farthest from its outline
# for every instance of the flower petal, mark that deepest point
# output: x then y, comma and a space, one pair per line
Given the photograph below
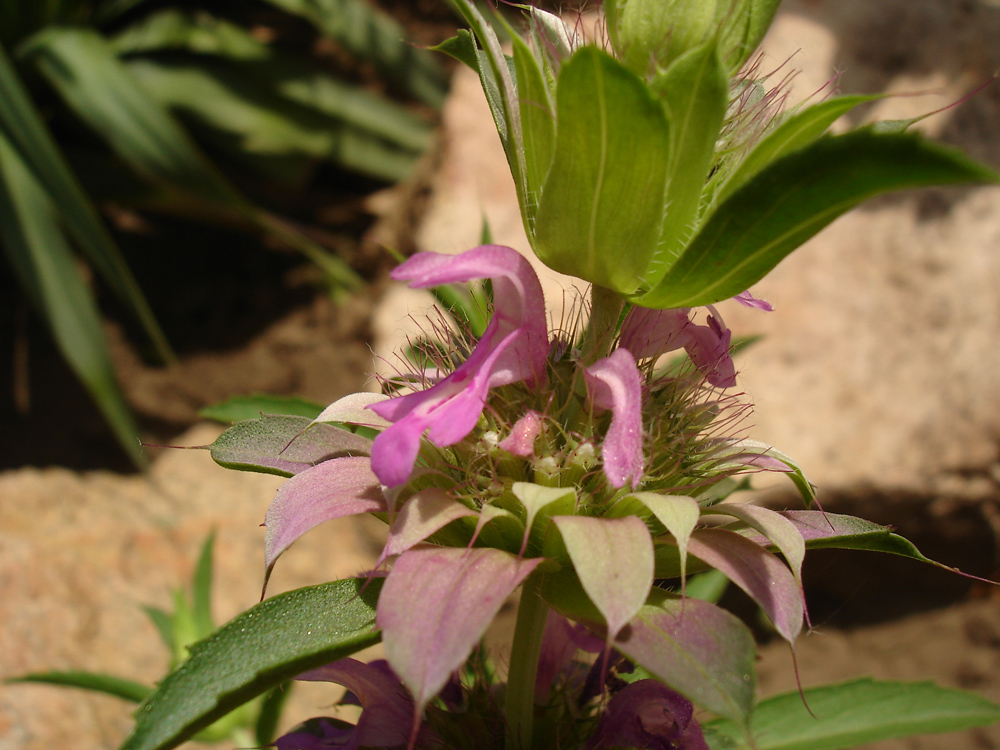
709, 348
521, 440
648, 714
435, 606
333, 489
513, 348
615, 383
650, 333
747, 299
613, 558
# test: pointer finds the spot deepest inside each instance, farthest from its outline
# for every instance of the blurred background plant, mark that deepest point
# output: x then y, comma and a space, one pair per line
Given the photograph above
143, 106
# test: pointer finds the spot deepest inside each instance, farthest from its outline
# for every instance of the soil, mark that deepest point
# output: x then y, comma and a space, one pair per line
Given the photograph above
245, 317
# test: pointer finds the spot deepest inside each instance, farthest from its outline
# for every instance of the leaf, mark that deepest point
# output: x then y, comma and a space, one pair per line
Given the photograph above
457, 593
537, 119
759, 573
201, 33
45, 266
376, 37
261, 648
778, 530
25, 131
425, 513
93, 681
541, 504
855, 713
599, 212
796, 132
273, 703
679, 514
333, 489
613, 558
791, 200
695, 93
201, 590
701, 651
239, 408
283, 445
101, 90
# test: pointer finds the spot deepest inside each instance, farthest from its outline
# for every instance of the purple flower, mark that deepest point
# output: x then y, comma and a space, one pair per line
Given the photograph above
649, 715
615, 383
513, 348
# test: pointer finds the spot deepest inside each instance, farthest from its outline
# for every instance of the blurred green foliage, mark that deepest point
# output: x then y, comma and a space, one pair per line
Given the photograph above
153, 87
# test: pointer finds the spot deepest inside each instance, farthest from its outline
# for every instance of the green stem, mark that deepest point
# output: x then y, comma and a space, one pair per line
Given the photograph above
532, 613
605, 307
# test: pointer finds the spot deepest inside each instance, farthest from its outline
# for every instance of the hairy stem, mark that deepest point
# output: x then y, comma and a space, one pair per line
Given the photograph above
605, 307
532, 613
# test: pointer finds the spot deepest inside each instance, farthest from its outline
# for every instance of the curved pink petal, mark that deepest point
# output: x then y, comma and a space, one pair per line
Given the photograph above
513, 348
747, 299
435, 606
650, 333
709, 348
615, 383
333, 489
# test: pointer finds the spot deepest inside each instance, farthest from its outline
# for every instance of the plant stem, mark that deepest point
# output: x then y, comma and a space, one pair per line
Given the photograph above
532, 613
605, 306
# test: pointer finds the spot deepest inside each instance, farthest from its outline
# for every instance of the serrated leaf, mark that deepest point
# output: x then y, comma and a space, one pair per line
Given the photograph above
266, 645
283, 445
239, 408
599, 212
701, 651
93, 681
794, 198
853, 714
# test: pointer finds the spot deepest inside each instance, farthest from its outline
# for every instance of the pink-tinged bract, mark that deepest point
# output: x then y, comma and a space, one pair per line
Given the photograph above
435, 606
513, 348
615, 383
333, 489
425, 513
766, 579
613, 558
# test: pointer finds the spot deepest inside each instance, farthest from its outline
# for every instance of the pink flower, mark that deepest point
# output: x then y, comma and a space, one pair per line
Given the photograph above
513, 348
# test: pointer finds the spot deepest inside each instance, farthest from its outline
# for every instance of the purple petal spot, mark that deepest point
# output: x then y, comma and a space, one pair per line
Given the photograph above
615, 383
513, 348
648, 714
746, 298
521, 441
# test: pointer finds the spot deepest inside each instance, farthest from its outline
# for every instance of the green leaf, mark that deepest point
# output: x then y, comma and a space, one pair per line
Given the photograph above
239, 408
201, 589
271, 707
201, 33
376, 37
45, 266
25, 131
794, 198
537, 119
695, 93
101, 90
263, 647
855, 713
599, 212
163, 623
796, 132
93, 681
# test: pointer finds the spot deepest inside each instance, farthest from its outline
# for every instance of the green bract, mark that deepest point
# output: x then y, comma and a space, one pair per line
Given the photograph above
648, 164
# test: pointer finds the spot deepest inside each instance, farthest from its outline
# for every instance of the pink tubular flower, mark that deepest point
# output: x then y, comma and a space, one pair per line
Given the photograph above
513, 349
615, 383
